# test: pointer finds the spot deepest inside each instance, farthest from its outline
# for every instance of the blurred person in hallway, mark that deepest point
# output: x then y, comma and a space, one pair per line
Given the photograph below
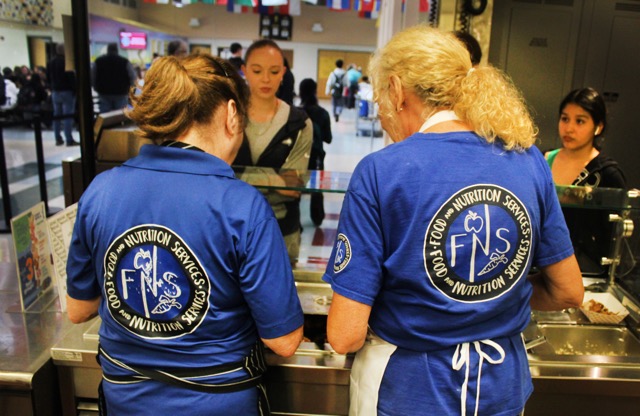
112, 76
321, 134
236, 57
31, 97
178, 48
63, 97
286, 90
11, 95
353, 76
336, 84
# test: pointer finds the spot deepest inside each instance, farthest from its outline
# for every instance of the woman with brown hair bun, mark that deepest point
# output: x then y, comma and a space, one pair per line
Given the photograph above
184, 263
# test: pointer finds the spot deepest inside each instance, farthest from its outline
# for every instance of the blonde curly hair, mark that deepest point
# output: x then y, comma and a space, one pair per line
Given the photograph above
179, 93
436, 67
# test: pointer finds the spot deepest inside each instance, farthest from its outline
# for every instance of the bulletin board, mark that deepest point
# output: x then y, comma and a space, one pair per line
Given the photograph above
276, 26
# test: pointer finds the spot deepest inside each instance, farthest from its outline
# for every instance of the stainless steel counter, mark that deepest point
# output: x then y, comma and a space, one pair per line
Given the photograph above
316, 382
25, 338
28, 384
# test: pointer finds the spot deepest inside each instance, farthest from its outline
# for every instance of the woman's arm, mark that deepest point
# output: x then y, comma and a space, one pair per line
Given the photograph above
557, 286
347, 324
285, 345
82, 310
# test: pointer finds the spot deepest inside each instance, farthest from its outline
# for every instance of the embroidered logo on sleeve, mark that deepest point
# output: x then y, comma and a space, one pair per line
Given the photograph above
478, 245
343, 253
155, 286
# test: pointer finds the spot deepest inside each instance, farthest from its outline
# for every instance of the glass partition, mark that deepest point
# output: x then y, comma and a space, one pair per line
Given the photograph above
600, 221
294, 180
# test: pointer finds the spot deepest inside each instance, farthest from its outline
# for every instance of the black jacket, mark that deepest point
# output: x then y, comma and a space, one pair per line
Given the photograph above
112, 75
602, 172
59, 78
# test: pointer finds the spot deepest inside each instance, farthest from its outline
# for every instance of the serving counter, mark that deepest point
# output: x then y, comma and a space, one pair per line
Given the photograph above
28, 381
315, 381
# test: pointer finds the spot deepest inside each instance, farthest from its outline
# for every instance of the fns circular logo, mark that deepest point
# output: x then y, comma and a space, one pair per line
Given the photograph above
343, 253
155, 286
478, 245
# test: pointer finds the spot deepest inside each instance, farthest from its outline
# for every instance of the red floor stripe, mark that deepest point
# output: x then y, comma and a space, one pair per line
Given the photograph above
324, 237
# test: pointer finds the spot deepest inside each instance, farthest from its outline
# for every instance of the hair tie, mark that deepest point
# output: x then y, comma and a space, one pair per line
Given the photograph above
470, 71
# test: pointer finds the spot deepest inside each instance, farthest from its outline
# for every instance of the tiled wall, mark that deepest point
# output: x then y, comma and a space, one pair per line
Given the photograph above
34, 12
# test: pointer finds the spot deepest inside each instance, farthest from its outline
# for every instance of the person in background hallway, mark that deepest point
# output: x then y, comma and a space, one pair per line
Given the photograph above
7, 72
286, 90
436, 320
277, 136
365, 91
42, 71
336, 83
63, 96
236, 57
188, 295
11, 95
112, 76
353, 76
472, 46
582, 122
321, 134
21, 74
178, 48
31, 97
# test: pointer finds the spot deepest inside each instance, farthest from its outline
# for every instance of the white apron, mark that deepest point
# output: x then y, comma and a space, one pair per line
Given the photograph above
371, 361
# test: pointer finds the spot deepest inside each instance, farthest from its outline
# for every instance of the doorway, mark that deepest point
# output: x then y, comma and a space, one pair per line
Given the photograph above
40, 50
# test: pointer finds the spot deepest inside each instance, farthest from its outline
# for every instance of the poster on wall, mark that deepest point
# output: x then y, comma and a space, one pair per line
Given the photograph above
36, 276
276, 26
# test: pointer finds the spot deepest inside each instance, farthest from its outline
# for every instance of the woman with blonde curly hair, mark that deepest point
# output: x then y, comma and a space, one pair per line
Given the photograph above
184, 263
436, 238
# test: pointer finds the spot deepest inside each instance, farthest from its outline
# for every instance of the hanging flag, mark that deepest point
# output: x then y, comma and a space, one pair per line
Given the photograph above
264, 8
424, 6
294, 8
285, 8
157, 1
371, 11
239, 6
339, 4
364, 5
273, 2
311, 1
